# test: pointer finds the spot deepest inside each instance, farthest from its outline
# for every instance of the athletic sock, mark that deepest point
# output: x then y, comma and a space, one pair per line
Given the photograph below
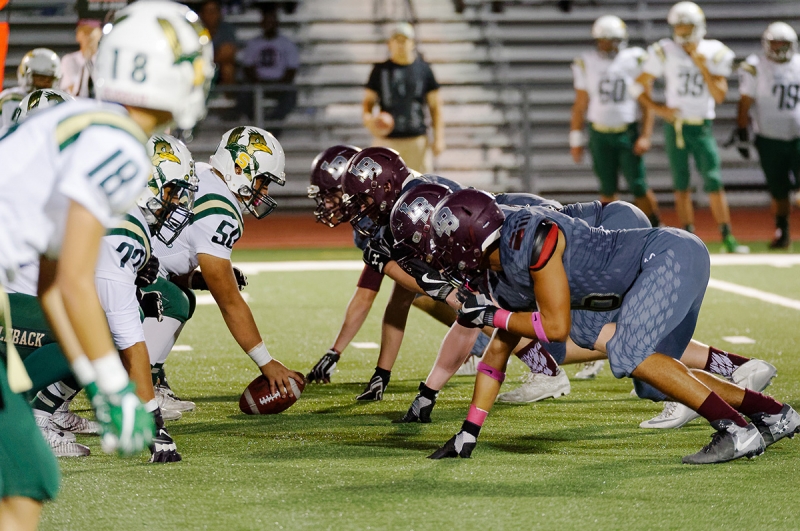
155, 371
754, 402
782, 224
161, 337
427, 392
689, 227
725, 229
723, 363
715, 408
53, 396
538, 359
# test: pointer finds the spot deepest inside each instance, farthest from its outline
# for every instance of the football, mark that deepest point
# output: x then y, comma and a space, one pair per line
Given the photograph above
257, 400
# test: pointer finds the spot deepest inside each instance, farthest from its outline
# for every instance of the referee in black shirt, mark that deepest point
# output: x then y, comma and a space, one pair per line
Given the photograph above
401, 87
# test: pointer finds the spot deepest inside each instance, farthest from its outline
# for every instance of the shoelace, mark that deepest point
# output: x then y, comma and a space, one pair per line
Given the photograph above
715, 439
669, 410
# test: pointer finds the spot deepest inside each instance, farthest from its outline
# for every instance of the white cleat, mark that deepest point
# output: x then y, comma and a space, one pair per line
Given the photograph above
62, 444
169, 402
674, 415
168, 414
537, 387
590, 370
469, 368
755, 375
65, 420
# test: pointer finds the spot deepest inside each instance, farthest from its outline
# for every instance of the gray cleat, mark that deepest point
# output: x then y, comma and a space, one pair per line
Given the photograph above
773, 428
730, 442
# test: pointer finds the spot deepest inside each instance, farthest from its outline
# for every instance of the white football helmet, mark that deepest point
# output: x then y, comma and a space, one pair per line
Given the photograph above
779, 32
691, 14
38, 62
609, 27
151, 56
168, 200
249, 158
37, 101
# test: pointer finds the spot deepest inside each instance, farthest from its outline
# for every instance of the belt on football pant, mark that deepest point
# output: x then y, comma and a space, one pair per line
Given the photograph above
679, 123
600, 128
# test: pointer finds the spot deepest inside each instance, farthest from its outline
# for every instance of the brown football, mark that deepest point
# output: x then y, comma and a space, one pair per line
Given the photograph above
257, 400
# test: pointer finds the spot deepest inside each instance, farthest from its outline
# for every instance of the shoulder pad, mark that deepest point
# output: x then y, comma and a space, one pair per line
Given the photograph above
749, 68
721, 53
659, 51
578, 61
544, 244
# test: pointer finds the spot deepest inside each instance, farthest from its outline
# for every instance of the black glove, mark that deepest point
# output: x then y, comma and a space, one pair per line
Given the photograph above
148, 273
740, 137
150, 303
196, 280
421, 408
163, 449
377, 254
241, 278
477, 311
461, 444
430, 280
323, 370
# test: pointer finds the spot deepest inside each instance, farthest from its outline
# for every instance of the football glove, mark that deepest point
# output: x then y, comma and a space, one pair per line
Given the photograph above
127, 427
148, 274
151, 304
324, 368
198, 282
376, 386
420, 410
740, 137
430, 280
163, 448
461, 444
241, 278
477, 311
377, 254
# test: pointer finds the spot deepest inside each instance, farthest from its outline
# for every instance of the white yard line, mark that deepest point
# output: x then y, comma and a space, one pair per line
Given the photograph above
753, 293
775, 260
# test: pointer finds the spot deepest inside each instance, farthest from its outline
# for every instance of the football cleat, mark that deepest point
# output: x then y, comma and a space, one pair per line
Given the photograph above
730, 442
590, 370
324, 368
171, 402
62, 444
537, 387
755, 375
65, 420
420, 411
730, 245
773, 428
674, 415
460, 445
375, 388
781, 240
469, 368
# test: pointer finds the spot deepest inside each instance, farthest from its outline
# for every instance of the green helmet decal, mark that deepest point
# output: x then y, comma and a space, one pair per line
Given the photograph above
162, 152
243, 156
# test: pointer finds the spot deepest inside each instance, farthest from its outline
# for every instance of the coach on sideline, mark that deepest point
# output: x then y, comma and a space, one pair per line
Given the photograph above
401, 87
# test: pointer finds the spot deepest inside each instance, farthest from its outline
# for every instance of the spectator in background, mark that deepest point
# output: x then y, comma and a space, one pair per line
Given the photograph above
401, 87
223, 37
76, 67
271, 59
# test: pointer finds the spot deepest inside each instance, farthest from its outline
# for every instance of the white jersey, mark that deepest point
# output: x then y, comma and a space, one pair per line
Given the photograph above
9, 101
607, 80
216, 225
125, 249
84, 151
686, 88
775, 87
26, 281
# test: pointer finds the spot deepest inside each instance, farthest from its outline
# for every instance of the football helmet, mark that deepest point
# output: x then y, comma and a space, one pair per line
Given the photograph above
465, 224
782, 34
37, 101
410, 220
249, 158
687, 13
168, 200
371, 185
326, 183
153, 56
611, 28
38, 62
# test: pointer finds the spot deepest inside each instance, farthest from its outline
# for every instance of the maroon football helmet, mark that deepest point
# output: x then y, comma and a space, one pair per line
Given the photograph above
464, 225
410, 219
371, 185
326, 183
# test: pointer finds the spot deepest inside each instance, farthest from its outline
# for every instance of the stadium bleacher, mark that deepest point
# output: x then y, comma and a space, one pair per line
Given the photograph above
507, 85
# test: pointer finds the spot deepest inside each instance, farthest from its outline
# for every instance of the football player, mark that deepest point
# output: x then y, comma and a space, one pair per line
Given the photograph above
602, 77
769, 86
656, 289
234, 183
695, 71
40, 68
91, 167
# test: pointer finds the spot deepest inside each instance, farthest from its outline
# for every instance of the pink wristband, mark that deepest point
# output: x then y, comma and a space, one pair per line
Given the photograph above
501, 318
536, 321
491, 372
476, 415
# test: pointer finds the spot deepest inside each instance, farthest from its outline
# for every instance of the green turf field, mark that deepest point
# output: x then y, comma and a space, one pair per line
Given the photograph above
579, 462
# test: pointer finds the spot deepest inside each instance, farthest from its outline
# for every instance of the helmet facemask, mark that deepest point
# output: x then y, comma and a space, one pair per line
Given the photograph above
779, 51
357, 208
171, 211
255, 196
330, 209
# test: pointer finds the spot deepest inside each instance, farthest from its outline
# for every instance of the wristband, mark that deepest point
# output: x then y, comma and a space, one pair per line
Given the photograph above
83, 371
501, 318
111, 375
260, 354
491, 372
576, 138
536, 321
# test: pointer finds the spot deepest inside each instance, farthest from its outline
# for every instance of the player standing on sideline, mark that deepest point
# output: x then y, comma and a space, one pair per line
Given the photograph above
91, 168
769, 85
695, 71
602, 78
40, 68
